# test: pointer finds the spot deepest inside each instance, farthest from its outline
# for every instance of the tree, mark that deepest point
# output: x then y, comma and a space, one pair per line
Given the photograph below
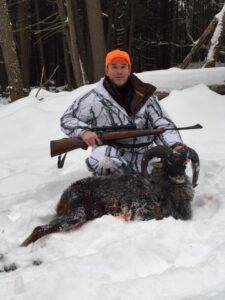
24, 42
41, 53
189, 58
216, 40
95, 26
215, 29
9, 53
73, 44
71, 34
65, 39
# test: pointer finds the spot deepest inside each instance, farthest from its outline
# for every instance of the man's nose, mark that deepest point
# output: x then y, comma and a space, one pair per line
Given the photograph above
119, 70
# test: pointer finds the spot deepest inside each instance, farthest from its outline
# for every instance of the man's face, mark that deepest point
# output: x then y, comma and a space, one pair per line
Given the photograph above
118, 71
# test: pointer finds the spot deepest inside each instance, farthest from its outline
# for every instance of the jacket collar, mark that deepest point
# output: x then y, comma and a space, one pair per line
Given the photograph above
142, 91
145, 89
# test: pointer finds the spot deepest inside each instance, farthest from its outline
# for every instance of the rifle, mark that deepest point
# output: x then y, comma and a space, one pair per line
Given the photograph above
58, 147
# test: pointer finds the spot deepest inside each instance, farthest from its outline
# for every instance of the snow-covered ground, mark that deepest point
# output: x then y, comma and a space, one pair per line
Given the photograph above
108, 259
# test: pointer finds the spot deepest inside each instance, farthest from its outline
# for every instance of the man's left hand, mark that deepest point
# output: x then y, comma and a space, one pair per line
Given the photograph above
179, 148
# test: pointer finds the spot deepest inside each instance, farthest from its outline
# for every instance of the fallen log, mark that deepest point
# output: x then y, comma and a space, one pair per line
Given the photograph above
219, 89
178, 79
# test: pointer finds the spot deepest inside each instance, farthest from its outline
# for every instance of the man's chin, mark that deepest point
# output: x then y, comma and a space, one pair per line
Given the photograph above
119, 82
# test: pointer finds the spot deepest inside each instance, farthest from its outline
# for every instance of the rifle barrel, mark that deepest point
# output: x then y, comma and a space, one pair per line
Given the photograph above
197, 126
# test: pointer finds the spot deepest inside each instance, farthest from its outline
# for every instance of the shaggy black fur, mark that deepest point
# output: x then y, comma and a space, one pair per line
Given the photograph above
133, 196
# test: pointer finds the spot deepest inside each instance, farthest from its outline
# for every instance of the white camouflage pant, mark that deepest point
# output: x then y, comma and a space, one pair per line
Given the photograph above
105, 160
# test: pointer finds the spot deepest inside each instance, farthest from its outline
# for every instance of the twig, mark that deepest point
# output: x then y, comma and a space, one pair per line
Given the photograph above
42, 75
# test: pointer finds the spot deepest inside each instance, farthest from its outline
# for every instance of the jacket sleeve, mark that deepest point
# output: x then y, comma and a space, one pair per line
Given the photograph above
76, 118
158, 117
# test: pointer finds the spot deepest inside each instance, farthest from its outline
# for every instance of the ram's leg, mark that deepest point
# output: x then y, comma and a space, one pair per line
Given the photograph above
59, 224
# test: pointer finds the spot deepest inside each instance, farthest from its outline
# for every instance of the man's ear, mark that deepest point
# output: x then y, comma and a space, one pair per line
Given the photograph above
106, 70
130, 69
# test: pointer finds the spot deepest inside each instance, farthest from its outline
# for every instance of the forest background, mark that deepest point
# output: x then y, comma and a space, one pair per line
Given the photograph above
63, 42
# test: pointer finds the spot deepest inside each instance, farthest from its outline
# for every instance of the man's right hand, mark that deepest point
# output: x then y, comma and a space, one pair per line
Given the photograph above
90, 138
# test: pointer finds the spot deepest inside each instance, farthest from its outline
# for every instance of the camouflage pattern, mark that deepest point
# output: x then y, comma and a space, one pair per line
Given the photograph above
98, 108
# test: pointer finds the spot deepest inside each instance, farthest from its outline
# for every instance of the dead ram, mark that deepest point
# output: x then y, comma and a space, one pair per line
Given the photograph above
166, 192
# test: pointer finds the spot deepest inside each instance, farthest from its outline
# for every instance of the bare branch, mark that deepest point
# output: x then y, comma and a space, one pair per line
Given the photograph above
42, 76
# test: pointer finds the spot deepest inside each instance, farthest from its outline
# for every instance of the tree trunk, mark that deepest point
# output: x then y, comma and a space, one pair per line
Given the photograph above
132, 26
85, 68
110, 27
3, 74
66, 63
75, 57
24, 42
165, 29
188, 59
40, 42
173, 33
95, 25
216, 40
9, 53
66, 41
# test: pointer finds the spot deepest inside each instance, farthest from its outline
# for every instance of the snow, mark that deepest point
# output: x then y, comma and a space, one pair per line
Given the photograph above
109, 258
176, 78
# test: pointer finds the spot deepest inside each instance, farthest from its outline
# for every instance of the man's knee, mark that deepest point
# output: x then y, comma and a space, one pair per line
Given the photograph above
106, 165
106, 160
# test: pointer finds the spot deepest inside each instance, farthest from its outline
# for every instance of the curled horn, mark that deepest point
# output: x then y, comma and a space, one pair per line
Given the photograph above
195, 165
163, 152
158, 151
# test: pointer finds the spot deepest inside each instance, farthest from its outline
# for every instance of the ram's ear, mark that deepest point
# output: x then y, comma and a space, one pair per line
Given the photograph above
158, 152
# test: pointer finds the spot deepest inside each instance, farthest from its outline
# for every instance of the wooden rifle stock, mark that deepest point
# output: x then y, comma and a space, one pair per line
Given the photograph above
64, 145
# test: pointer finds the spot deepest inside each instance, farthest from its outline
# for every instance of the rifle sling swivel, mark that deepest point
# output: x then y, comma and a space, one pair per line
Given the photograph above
61, 161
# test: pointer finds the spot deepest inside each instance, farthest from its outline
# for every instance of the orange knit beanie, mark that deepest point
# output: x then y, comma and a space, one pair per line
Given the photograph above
117, 54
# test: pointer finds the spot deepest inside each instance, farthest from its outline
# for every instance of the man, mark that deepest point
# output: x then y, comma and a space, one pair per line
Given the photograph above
119, 99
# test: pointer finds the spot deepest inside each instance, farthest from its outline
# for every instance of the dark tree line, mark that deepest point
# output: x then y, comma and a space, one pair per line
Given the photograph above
38, 36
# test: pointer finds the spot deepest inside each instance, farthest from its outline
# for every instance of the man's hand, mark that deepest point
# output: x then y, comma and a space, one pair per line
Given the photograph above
90, 138
179, 147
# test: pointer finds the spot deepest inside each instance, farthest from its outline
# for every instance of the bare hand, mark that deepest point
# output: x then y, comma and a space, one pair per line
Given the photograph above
90, 138
178, 148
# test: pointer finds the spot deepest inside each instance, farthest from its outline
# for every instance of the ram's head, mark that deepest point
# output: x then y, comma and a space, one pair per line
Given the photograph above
174, 163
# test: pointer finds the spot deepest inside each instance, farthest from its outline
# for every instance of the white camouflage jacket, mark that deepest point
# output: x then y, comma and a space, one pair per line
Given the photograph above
97, 108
